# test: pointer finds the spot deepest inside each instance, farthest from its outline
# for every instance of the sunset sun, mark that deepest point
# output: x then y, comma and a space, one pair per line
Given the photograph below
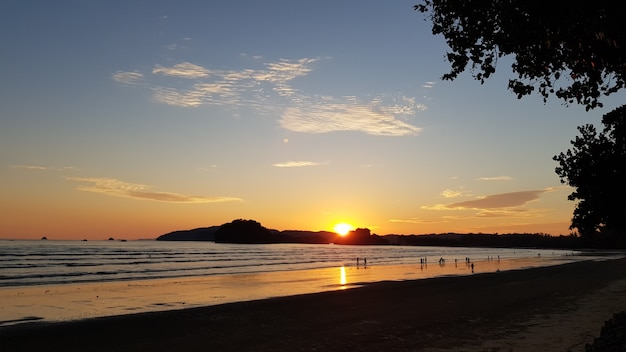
342, 229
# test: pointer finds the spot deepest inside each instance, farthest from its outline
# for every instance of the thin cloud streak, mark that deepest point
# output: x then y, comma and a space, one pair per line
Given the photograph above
503, 200
43, 168
497, 178
415, 221
510, 213
117, 188
29, 167
297, 164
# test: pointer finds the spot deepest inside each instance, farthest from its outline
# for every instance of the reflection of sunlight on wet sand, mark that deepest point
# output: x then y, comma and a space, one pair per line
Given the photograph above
77, 301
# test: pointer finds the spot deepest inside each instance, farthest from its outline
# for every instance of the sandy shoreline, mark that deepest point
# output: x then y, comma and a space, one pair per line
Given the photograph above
64, 302
557, 308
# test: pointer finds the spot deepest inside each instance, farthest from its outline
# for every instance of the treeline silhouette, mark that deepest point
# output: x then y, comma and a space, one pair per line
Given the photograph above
252, 232
513, 240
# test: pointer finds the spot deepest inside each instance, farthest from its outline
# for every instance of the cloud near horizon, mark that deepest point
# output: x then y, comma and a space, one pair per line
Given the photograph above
30, 167
448, 193
498, 205
496, 178
297, 164
503, 205
270, 88
502, 200
43, 168
415, 221
117, 188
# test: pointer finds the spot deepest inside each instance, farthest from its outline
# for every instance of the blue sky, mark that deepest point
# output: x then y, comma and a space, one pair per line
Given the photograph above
136, 118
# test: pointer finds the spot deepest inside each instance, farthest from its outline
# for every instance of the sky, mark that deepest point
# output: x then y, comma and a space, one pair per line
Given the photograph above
131, 119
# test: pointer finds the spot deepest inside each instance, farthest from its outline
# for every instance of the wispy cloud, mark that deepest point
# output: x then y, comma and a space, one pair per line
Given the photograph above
329, 115
127, 77
185, 70
297, 164
429, 84
270, 88
117, 188
284, 70
448, 193
496, 178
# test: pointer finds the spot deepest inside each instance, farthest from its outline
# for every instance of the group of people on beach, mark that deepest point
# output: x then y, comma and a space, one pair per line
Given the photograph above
442, 262
424, 261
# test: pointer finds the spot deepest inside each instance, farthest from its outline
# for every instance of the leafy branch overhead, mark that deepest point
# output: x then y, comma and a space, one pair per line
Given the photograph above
572, 50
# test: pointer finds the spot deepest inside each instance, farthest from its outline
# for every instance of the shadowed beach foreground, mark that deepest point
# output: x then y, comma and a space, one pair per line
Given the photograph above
559, 308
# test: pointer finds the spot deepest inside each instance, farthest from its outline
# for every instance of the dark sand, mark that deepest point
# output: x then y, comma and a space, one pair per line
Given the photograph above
557, 308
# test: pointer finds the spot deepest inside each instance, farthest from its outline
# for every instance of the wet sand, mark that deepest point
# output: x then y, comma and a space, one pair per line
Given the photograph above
558, 308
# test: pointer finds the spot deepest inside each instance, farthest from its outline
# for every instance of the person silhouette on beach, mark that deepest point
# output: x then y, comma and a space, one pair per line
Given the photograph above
472, 267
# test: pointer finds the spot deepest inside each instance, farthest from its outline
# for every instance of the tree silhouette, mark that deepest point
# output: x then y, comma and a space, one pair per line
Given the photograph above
573, 50
243, 231
596, 168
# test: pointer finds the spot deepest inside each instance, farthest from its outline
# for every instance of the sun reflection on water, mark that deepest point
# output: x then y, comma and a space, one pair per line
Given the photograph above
342, 277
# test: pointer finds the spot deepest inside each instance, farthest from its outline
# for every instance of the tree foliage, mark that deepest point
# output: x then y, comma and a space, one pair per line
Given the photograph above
596, 168
575, 51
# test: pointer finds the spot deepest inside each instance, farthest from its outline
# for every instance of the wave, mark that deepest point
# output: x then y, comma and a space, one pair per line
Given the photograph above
58, 262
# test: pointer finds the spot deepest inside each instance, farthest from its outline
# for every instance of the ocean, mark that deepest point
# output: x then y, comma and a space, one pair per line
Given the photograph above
42, 262
69, 280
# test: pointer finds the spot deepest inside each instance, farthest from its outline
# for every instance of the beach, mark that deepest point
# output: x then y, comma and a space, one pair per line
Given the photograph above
555, 308
52, 282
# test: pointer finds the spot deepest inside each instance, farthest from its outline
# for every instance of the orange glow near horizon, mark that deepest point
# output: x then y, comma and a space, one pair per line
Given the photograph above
342, 228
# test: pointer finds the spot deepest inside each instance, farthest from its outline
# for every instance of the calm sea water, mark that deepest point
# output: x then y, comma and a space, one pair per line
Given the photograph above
25, 263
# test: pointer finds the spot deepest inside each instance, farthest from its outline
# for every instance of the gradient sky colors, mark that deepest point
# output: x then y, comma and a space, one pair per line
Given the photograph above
131, 119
